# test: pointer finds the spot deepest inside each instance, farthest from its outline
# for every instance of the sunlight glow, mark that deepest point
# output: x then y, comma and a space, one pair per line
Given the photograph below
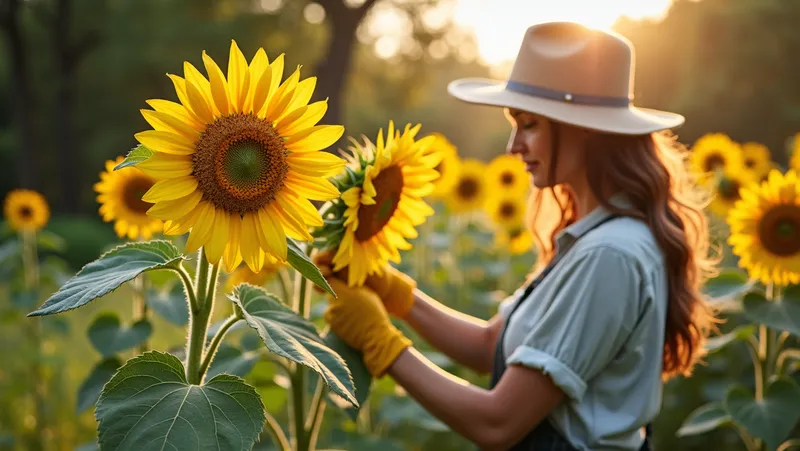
499, 25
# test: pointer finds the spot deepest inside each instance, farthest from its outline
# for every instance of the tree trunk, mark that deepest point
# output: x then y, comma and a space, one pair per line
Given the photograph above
68, 154
332, 70
24, 102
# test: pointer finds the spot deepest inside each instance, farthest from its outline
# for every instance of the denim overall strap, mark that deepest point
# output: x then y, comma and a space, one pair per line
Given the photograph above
544, 437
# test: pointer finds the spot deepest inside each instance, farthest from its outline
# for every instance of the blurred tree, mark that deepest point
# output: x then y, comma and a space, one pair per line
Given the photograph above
24, 103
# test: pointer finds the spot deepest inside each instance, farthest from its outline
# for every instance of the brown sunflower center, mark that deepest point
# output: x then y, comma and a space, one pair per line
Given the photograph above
507, 178
514, 233
750, 163
467, 188
132, 194
372, 218
713, 162
240, 163
729, 189
26, 212
779, 230
507, 210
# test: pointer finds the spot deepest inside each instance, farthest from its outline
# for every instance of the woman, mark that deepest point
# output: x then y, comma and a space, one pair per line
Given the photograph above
578, 354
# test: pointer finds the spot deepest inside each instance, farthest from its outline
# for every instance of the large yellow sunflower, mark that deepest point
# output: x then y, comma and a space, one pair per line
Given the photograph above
756, 159
765, 229
120, 195
239, 159
469, 192
506, 173
447, 168
26, 210
382, 211
727, 191
506, 211
712, 154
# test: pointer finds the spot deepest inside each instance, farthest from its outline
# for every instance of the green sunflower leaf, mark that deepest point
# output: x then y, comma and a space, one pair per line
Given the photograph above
300, 261
149, 404
291, 336
135, 156
107, 273
782, 313
741, 333
705, 418
91, 388
362, 379
109, 336
770, 419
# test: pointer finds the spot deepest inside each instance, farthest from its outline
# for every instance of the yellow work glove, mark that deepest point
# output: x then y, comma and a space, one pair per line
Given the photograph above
394, 288
357, 317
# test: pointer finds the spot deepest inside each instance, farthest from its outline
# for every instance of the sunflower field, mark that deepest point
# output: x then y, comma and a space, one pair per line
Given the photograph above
160, 285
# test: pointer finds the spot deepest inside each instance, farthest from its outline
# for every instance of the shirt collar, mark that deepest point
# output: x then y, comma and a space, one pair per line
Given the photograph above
583, 225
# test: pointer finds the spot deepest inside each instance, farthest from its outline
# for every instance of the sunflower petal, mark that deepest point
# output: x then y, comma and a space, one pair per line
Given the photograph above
308, 213
315, 164
311, 115
276, 69
273, 233
203, 228
313, 188
303, 93
278, 102
199, 104
194, 77
219, 87
250, 245
177, 110
165, 165
219, 236
315, 138
238, 77
166, 142
169, 123
232, 255
258, 65
171, 189
291, 223
171, 209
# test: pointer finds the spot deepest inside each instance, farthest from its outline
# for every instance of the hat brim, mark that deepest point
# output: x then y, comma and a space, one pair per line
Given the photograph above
628, 120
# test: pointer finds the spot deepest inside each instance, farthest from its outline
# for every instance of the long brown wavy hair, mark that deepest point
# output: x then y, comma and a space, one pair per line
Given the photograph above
651, 171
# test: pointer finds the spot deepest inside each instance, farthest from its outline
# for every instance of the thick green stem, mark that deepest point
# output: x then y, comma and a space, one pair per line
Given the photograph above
315, 414
215, 342
188, 287
205, 287
302, 306
285, 281
140, 309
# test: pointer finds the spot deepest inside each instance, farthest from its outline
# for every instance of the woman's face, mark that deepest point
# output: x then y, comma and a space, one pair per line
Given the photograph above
530, 140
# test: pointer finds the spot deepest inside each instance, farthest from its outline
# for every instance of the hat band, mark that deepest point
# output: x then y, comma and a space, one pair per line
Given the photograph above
579, 99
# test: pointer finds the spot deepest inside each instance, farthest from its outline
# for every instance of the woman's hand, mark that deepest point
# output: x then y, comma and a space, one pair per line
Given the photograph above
358, 317
395, 289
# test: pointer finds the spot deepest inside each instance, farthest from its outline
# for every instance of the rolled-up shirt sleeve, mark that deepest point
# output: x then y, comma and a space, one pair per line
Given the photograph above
586, 323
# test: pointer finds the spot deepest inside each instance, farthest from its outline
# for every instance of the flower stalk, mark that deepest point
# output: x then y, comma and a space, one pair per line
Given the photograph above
200, 313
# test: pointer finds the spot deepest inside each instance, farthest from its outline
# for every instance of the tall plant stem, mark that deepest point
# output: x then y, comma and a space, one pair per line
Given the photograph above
302, 305
30, 265
205, 288
140, 309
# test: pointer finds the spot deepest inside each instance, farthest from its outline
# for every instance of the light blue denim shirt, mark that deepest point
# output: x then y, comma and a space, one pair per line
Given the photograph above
595, 325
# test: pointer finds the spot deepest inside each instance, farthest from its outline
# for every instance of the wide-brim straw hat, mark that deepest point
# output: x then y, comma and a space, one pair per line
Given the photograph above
574, 75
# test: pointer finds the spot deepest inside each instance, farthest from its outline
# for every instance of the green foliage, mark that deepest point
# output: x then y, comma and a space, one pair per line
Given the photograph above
170, 304
782, 313
135, 156
771, 418
705, 418
291, 336
300, 261
362, 379
108, 272
232, 360
149, 402
741, 333
109, 336
91, 388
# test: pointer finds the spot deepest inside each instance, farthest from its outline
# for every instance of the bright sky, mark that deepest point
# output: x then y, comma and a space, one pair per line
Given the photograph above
499, 25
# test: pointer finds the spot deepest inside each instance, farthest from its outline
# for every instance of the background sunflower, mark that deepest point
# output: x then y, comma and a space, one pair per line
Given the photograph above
469, 192
26, 210
239, 159
727, 191
714, 153
506, 173
120, 196
243, 274
381, 203
765, 229
447, 168
517, 240
756, 159
506, 211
